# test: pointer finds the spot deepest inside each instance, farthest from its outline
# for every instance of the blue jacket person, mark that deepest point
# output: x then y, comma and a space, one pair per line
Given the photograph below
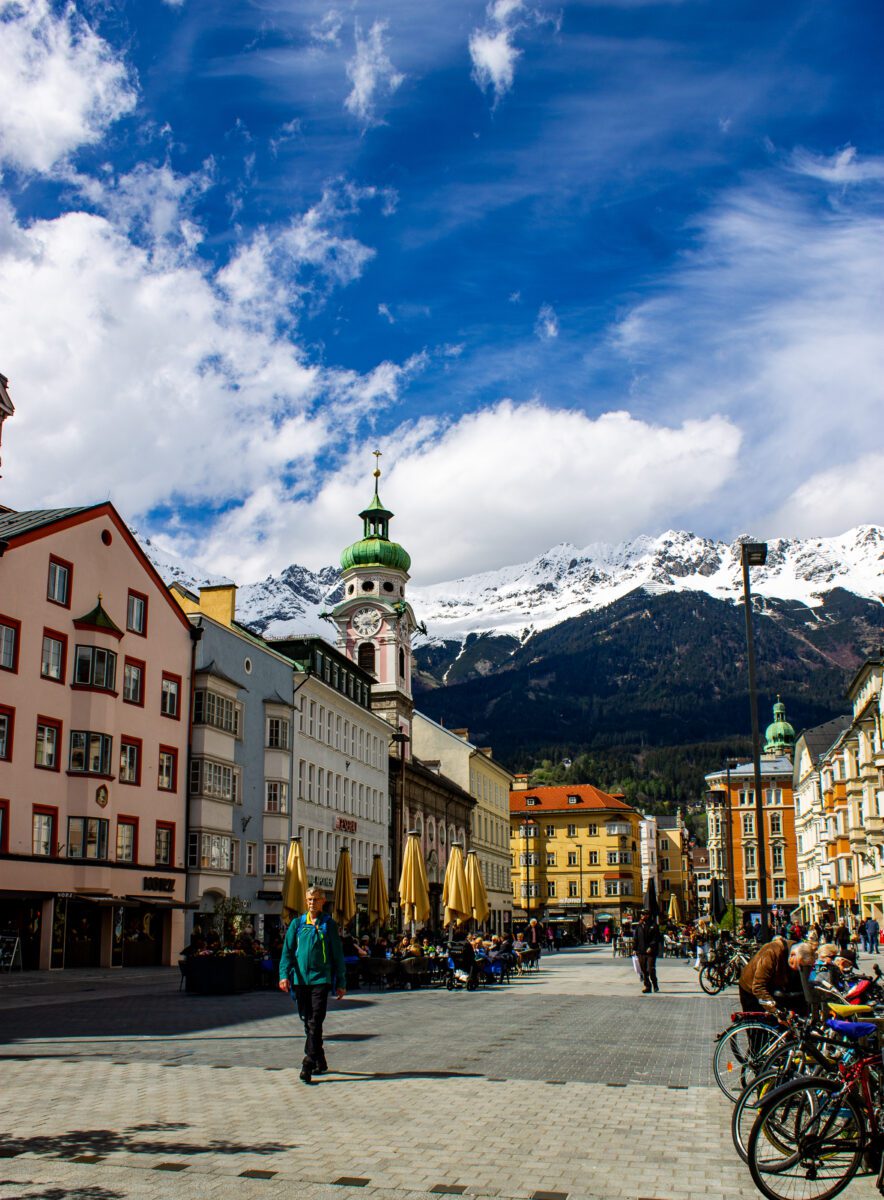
312, 964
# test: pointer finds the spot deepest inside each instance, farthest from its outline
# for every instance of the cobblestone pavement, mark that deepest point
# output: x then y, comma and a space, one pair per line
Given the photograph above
567, 1082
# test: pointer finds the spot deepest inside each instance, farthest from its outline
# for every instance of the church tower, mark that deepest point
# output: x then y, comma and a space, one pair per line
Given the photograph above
375, 621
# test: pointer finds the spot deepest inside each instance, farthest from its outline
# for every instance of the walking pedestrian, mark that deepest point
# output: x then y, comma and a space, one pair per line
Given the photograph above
312, 964
646, 945
873, 931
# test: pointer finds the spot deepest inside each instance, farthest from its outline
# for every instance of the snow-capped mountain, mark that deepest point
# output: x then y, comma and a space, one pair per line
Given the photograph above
566, 582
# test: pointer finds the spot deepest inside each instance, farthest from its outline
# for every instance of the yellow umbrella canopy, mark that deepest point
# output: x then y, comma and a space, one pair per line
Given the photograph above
476, 885
344, 903
455, 893
674, 913
294, 883
414, 892
378, 898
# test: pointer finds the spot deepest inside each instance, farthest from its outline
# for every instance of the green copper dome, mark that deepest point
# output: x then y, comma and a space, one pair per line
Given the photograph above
375, 552
779, 736
374, 549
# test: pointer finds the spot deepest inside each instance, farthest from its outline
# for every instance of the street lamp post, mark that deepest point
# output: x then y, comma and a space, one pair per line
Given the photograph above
580, 869
754, 554
400, 738
731, 885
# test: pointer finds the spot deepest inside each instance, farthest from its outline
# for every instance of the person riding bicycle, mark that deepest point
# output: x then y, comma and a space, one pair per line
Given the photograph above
770, 979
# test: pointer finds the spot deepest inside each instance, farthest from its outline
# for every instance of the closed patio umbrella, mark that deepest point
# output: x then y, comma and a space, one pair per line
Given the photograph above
674, 913
378, 898
414, 891
650, 900
344, 902
294, 883
476, 886
455, 893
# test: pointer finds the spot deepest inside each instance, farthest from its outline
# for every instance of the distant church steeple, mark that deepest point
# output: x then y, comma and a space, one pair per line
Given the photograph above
779, 736
375, 622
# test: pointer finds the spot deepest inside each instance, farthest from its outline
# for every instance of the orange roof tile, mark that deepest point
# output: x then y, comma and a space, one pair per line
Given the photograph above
556, 799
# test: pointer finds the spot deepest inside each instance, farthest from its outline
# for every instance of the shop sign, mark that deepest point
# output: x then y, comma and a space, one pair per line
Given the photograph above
345, 825
268, 895
155, 883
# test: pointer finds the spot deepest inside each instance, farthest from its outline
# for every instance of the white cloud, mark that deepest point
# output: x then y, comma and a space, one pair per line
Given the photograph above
782, 295
493, 50
494, 487
842, 167
834, 499
371, 74
327, 32
275, 272
547, 324
61, 84
384, 311
141, 376
494, 59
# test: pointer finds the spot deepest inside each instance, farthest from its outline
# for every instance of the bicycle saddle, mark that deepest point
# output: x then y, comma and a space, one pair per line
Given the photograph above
845, 1011
852, 1029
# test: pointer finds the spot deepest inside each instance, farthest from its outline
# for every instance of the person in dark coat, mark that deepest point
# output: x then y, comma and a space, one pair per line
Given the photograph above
872, 929
770, 976
646, 944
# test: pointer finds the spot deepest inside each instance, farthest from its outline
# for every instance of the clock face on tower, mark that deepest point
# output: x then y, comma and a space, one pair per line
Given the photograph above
366, 622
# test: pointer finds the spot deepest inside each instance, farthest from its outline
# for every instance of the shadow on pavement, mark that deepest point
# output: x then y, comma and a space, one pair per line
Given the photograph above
109, 1141
374, 1076
74, 1192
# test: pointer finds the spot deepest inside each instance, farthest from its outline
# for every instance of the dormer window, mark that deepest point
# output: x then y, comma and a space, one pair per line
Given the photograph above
573, 799
531, 801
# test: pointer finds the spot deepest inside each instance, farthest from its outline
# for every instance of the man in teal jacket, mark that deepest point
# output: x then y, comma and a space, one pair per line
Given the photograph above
312, 964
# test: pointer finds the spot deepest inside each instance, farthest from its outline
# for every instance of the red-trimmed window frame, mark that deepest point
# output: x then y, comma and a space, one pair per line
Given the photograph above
15, 626
170, 825
4, 827
170, 677
7, 711
139, 596
126, 819
127, 739
69, 567
57, 636
134, 662
173, 750
59, 739
46, 810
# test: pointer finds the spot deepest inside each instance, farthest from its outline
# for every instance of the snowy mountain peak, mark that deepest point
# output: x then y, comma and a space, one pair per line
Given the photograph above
566, 581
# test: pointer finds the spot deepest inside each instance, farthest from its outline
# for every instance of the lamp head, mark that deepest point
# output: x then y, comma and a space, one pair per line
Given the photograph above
754, 554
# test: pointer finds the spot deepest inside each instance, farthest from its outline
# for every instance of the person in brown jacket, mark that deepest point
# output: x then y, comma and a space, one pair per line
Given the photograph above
771, 970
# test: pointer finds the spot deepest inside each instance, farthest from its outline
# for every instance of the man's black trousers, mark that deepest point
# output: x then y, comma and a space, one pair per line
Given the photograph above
648, 964
312, 1004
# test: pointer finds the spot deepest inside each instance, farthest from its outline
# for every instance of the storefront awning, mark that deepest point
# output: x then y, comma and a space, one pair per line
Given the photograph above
157, 902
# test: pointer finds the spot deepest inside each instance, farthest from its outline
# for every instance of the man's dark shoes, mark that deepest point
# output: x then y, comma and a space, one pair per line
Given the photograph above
656, 989
646, 991
321, 1067
306, 1075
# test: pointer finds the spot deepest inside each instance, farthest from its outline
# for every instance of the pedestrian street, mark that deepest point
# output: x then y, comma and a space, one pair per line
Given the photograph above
568, 1083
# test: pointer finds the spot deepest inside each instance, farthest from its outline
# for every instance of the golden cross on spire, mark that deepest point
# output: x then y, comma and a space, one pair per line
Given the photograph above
377, 468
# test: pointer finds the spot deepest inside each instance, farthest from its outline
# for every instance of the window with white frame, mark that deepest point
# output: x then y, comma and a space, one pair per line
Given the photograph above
221, 712
8, 646
209, 851
251, 858
276, 796
52, 657
777, 858
751, 889
90, 753
214, 779
779, 889
277, 733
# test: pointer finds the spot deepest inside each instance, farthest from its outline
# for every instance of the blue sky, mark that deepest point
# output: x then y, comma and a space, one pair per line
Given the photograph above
582, 271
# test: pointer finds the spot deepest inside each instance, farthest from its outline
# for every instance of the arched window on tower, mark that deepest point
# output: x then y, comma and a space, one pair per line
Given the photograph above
365, 656
401, 664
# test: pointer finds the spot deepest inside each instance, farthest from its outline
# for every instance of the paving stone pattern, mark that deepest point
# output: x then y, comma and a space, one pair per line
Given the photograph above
551, 1089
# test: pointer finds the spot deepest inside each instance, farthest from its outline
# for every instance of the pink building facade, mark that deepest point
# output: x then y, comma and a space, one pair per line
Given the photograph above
95, 700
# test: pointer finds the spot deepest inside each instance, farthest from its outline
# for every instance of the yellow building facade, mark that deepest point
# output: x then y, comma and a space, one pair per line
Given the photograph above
575, 854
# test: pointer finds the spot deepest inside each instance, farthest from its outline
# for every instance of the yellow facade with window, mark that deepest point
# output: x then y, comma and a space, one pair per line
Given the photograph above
575, 854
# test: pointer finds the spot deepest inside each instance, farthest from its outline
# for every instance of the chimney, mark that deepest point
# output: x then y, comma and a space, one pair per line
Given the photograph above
461, 733
218, 601
520, 783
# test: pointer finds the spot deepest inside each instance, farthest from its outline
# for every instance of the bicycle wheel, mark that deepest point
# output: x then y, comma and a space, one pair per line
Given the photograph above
711, 979
741, 1055
807, 1141
752, 1097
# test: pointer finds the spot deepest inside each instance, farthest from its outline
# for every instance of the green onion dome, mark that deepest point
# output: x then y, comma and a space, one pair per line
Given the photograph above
779, 735
374, 548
